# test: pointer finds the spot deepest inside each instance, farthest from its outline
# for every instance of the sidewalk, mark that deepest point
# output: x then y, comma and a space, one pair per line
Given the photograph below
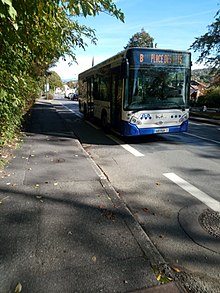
63, 228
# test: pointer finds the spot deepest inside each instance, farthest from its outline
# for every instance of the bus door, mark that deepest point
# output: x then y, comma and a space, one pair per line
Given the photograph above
90, 97
116, 101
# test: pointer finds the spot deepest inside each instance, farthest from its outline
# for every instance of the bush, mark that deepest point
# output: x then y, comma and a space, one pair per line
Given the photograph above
211, 99
17, 95
201, 101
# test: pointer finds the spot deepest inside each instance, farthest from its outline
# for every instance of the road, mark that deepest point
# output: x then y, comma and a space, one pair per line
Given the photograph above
171, 185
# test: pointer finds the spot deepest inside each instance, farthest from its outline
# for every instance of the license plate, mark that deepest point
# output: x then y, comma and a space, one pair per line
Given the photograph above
161, 130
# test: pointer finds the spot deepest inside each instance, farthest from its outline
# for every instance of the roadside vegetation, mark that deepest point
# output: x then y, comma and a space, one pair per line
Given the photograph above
211, 96
208, 47
33, 36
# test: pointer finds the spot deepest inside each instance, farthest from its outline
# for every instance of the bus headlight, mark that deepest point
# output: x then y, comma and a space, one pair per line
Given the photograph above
183, 118
135, 121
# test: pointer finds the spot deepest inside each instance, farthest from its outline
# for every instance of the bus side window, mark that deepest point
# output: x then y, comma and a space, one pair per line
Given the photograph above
104, 92
96, 89
84, 89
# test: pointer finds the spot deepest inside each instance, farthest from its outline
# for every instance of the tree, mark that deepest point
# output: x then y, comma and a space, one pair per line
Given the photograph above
209, 46
33, 36
55, 80
44, 31
142, 39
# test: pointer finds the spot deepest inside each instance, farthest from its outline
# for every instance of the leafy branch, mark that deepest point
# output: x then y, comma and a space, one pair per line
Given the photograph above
209, 45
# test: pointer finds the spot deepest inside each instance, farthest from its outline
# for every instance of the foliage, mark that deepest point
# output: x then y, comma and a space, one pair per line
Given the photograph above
202, 75
213, 97
141, 39
33, 36
8, 11
55, 81
216, 80
71, 83
209, 46
12, 103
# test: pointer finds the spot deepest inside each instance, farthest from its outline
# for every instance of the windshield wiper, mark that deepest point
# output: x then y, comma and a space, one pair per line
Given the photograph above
182, 107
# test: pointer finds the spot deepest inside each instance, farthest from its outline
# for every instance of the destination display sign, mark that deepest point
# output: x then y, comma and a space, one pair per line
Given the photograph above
163, 58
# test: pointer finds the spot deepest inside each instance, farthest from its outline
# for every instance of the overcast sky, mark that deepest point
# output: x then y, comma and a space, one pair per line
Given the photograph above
173, 25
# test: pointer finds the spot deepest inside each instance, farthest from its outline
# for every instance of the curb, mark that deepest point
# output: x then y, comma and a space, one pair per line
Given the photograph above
150, 251
135, 228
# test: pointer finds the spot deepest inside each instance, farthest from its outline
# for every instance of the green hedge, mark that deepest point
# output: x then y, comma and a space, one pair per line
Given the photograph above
211, 99
17, 95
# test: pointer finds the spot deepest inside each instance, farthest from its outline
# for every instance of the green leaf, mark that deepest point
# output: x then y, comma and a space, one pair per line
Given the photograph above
11, 10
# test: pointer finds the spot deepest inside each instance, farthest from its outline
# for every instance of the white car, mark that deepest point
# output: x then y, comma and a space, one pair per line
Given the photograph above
68, 93
71, 94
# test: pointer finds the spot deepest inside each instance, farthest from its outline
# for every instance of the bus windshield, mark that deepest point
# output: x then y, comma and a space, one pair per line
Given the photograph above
157, 88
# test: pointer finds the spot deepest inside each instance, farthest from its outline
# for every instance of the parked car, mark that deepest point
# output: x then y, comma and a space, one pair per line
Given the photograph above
71, 94
66, 94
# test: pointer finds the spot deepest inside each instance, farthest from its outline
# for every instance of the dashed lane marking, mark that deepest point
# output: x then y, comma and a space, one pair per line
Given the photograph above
94, 126
127, 147
194, 191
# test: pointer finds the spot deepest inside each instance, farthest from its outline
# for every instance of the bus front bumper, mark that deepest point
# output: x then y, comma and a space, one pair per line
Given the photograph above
129, 129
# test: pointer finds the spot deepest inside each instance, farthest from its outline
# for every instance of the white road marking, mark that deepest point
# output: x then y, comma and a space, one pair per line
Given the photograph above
194, 123
76, 113
93, 125
194, 191
132, 150
200, 137
79, 114
127, 147
202, 123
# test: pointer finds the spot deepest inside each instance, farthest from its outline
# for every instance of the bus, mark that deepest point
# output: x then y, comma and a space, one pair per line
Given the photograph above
139, 91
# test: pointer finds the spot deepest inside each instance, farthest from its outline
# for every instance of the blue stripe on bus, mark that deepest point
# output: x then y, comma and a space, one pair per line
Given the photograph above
128, 129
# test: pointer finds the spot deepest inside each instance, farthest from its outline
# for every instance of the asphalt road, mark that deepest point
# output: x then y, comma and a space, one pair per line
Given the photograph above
171, 185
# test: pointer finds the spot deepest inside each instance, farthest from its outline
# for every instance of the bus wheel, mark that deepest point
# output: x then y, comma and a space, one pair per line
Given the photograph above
104, 121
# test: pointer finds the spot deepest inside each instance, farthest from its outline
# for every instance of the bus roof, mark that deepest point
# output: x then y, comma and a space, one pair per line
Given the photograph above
123, 54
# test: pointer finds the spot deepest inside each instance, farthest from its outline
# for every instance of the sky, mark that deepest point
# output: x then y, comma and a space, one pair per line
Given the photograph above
173, 25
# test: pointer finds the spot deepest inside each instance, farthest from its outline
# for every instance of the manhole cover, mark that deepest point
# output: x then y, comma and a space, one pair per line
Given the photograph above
210, 222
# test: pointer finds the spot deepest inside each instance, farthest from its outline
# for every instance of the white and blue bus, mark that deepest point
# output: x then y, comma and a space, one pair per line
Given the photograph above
139, 91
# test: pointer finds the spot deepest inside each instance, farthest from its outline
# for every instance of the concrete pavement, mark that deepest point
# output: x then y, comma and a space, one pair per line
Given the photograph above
63, 228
